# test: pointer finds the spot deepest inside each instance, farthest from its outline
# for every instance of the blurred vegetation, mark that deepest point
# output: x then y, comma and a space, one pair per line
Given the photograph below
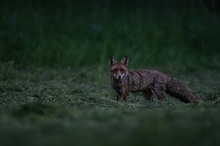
85, 33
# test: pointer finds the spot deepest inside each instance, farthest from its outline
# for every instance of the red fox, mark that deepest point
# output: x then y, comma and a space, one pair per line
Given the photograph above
150, 82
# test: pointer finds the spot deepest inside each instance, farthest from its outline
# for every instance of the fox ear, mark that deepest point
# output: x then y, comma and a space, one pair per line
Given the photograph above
112, 60
125, 60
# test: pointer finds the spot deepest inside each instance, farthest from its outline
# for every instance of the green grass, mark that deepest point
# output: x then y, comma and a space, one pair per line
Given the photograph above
42, 106
54, 83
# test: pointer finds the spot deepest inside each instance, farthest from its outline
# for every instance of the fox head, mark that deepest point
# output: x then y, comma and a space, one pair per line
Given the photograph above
119, 70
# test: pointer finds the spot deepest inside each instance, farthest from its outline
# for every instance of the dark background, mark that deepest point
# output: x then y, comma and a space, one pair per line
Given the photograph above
85, 33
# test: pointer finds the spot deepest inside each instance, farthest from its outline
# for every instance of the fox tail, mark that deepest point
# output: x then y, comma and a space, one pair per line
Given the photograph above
178, 90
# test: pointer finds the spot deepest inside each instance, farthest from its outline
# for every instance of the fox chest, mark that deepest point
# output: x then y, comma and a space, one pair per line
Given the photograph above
121, 88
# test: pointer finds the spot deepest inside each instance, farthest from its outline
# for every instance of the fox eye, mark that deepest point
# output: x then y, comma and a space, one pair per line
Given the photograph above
123, 71
114, 71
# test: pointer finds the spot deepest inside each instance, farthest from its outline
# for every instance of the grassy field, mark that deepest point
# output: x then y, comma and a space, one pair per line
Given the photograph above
54, 81
78, 107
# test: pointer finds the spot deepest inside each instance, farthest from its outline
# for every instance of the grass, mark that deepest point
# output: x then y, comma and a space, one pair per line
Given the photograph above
54, 84
67, 106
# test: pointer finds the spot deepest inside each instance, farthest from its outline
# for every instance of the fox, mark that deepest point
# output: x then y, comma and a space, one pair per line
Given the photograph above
151, 82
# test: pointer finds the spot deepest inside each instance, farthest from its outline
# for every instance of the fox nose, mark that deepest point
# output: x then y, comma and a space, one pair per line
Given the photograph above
119, 77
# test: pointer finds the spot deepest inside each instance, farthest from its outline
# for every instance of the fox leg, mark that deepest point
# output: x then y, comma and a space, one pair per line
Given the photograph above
123, 94
147, 94
118, 95
159, 90
125, 97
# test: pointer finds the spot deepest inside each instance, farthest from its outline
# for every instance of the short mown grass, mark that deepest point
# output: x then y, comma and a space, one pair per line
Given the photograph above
43, 106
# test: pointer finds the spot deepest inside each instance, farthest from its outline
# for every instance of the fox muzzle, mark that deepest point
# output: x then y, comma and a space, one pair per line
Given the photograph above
119, 77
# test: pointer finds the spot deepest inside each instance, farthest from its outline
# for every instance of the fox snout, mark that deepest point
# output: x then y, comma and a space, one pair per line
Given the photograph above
119, 76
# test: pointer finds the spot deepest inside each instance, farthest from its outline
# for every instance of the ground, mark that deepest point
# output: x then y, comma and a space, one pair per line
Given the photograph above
44, 106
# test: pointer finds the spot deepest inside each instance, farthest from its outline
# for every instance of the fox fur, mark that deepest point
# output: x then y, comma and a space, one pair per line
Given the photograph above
148, 81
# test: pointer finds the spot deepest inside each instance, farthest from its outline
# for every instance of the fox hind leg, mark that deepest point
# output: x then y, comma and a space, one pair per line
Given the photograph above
160, 95
147, 94
159, 91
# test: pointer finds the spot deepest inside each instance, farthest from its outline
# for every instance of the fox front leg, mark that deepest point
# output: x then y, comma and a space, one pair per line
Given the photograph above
122, 94
118, 96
